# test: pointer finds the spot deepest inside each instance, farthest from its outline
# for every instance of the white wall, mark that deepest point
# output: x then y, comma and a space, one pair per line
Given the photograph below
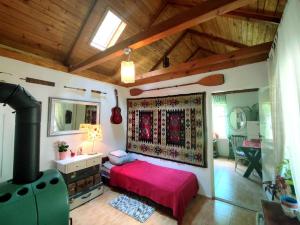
113, 135
243, 77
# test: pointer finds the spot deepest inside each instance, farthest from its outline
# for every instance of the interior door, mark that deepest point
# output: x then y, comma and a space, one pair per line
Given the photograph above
266, 134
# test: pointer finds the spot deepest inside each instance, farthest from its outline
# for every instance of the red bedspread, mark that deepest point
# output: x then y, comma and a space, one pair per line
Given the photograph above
169, 187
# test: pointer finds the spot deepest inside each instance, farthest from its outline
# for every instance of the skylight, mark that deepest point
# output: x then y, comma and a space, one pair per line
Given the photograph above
109, 31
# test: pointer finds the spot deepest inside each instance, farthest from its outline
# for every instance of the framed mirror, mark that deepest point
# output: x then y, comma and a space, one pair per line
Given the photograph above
237, 119
66, 115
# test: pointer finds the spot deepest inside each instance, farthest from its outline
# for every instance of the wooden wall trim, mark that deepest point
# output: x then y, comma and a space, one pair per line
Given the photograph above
236, 91
12, 53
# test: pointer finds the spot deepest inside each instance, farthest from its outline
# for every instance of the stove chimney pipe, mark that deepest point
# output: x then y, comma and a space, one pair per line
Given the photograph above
27, 132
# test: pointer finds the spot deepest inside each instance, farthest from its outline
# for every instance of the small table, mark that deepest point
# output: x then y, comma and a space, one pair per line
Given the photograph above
273, 214
253, 154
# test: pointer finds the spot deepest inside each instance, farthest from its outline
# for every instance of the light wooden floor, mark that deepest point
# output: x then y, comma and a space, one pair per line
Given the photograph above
201, 211
232, 186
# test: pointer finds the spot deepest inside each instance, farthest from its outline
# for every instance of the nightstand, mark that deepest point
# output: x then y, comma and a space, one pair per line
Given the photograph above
82, 176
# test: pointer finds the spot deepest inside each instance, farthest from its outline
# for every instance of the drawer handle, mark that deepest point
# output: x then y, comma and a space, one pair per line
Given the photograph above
88, 195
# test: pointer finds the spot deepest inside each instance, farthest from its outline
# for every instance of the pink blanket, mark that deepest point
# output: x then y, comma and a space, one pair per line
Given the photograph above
169, 187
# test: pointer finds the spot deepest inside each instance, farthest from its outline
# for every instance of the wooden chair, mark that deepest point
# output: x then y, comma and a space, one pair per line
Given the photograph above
237, 141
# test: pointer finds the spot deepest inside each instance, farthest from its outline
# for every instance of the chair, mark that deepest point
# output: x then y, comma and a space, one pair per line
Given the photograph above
237, 141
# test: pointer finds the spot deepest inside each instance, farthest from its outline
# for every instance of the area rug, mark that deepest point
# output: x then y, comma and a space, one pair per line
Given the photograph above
133, 207
169, 127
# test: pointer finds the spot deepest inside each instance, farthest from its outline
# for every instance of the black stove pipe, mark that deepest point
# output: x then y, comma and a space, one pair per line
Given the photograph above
27, 132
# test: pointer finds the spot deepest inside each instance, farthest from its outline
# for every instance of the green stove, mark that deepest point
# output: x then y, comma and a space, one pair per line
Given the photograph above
31, 197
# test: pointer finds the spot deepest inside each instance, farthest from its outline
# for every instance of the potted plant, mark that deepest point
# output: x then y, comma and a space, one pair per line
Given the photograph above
285, 185
62, 148
283, 189
284, 170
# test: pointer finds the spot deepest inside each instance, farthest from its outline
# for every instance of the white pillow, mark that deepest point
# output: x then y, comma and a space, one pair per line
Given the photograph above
118, 153
120, 160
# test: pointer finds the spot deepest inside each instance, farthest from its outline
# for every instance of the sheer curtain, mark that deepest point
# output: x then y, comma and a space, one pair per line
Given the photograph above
284, 69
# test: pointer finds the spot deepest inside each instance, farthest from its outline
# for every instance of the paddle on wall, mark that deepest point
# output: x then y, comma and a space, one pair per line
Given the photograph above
212, 80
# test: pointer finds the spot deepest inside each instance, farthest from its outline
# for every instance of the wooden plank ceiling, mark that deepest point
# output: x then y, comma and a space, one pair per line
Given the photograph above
58, 32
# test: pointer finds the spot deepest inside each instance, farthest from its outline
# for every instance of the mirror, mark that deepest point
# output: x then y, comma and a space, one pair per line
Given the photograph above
237, 119
65, 115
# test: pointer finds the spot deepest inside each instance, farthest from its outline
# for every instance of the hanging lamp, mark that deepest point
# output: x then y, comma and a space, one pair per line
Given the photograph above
127, 69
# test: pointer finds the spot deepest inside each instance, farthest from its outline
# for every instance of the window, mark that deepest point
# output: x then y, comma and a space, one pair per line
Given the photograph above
220, 125
109, 31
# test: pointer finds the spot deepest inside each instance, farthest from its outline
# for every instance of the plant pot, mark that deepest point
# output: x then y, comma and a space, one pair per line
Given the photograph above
289, 206
63, 155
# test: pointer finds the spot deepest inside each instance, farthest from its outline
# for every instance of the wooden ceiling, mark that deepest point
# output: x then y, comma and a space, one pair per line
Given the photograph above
57, 34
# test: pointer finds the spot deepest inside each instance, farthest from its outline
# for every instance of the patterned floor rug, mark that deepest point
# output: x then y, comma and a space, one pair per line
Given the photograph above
132, 207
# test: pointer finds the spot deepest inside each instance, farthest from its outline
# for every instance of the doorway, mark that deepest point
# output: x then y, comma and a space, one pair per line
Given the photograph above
237, 148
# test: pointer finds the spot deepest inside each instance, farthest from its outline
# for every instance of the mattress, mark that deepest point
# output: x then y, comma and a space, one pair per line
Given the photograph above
169, 187
106, 168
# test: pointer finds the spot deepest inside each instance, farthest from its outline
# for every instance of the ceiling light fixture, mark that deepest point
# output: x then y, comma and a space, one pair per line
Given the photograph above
127, 68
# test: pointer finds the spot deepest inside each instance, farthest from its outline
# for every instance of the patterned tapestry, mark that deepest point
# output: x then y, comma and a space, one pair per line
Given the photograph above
170, 127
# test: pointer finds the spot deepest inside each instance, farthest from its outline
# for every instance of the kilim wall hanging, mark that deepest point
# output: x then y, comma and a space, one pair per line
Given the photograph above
169, 127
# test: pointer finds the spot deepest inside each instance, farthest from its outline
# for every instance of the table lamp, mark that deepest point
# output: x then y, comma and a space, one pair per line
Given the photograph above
94, 133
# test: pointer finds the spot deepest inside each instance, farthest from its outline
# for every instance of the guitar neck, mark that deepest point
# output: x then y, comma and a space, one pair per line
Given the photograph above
117, 99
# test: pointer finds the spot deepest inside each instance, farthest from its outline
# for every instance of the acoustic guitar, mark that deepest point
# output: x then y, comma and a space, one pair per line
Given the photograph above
116, 117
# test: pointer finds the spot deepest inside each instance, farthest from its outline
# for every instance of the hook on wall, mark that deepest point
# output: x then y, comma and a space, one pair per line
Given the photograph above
98, 92
10, 74
75, 88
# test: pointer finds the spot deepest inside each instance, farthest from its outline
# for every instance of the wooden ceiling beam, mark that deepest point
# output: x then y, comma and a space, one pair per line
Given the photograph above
76, 42
206, 51
12, 53
241, 13
152, 20
169, 50
211, 63
217, 39
192, 55
192, 17
255, 16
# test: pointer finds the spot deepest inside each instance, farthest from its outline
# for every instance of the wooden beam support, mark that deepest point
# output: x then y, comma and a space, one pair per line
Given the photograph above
211, 63
192, 17
241, 13
169, 50
76, 42
217, 39
255, 16
9, 52
206, 51
152, 20
192, 55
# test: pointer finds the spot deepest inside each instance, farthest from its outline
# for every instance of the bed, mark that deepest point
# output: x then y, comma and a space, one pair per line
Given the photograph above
168, 187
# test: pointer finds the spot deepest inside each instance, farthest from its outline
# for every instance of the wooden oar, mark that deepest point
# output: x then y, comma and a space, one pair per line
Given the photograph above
212, 80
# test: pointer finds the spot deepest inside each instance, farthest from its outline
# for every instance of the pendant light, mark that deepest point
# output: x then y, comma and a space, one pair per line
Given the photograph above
127, 69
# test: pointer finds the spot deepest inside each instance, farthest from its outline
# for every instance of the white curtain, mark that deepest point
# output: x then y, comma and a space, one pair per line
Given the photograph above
284, 70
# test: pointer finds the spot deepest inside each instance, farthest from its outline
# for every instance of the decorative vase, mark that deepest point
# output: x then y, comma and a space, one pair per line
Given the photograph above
289, 206
63, 155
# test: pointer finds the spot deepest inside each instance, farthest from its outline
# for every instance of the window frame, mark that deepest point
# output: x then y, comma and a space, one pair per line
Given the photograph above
100, 23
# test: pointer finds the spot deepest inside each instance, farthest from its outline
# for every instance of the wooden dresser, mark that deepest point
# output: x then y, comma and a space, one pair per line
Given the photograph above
82, 176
